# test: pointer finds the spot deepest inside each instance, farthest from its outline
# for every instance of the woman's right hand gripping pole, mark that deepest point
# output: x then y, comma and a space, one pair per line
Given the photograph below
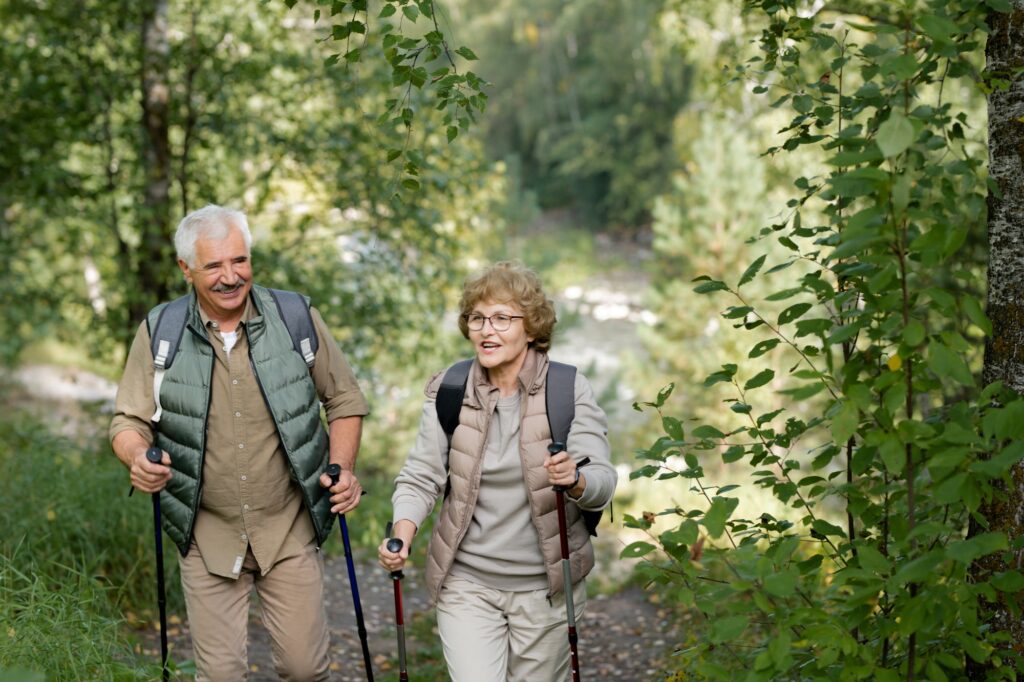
404, 530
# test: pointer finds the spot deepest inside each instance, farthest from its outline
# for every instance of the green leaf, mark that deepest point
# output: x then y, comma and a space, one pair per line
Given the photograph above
793, 312
727, 629
453, 132
466, 53
895, 135
937, 27
872, 560
725, 374
917, 569
673, 427
1008, 581
893, 454
759, 379
823, 527
975, 314
948, 364
411, 184
913, 333
411, 12
762, 347
386, 11
685, 534
781, 584
845, 422
718, 513
636, 550
752, 270
709, 286
969, 550
707, 431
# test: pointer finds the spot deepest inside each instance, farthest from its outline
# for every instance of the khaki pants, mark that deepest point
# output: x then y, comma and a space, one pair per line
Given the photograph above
291, 597
494, 635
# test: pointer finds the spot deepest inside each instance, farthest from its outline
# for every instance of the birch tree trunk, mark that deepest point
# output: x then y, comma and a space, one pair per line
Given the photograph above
156, 255
1004, 352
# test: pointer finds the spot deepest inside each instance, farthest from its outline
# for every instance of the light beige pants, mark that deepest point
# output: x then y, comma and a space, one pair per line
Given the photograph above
291, 598
494, 635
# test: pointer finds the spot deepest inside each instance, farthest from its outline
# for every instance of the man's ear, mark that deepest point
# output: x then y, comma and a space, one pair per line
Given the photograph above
185, 270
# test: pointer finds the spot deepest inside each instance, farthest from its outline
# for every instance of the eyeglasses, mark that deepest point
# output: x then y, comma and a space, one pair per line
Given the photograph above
499, 322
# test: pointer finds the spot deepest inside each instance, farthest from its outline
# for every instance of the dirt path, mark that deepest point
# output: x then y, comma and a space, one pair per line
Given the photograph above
622, 637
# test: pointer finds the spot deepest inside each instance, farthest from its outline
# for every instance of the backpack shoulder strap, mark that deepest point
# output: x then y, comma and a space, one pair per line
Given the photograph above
294, 311
450, 395
165, 333
560, 395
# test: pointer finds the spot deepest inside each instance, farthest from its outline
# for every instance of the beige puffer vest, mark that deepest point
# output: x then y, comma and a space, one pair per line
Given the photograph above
464, 467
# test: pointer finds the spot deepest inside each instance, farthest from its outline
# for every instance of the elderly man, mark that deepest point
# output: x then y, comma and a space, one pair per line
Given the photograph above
237, 416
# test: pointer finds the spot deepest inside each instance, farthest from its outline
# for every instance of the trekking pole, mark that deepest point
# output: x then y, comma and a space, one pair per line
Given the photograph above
563, 536
395, 545
334, 473
155, 455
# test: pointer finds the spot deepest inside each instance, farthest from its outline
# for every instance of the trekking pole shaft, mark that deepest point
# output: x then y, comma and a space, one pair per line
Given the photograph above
155, 455
334, 473
403, 673
570, 609
360, 624
161, 596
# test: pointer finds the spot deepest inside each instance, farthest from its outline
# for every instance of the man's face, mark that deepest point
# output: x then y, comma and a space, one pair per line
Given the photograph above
222, 275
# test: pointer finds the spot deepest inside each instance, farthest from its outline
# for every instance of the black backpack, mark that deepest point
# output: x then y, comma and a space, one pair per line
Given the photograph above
292, 307
561, 406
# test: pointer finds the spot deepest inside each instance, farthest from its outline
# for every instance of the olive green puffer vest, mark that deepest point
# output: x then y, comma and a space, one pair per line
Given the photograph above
287, 389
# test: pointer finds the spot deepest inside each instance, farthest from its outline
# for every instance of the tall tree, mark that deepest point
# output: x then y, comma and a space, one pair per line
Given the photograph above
1004, 352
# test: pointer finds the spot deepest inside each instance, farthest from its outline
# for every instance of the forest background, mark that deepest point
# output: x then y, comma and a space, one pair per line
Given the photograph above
823, 165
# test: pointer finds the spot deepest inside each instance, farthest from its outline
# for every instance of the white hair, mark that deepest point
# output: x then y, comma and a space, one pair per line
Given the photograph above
212, 222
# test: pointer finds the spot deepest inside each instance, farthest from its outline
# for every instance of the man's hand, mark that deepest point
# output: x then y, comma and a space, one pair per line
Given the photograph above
149, 477
345, 493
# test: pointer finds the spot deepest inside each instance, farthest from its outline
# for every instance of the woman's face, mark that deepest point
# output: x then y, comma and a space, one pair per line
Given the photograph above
500, 352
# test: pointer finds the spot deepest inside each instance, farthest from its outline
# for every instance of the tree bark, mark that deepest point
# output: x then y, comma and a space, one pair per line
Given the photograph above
156, 255
1004, 351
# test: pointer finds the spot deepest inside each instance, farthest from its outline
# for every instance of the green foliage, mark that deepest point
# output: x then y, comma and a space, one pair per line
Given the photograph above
420, 59
76, 553
878, 445
583, 98
256, 120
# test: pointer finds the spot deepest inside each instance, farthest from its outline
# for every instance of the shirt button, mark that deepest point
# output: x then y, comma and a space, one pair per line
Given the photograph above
238, 414
244, 478
241, 446
234, 381
244, 536
224, 348
245, 507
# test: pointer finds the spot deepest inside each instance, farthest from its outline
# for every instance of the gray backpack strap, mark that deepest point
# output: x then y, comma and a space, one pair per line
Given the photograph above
560, 393
165, 334
294, 311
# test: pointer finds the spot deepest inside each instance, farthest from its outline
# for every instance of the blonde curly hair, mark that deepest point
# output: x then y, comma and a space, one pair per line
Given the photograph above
514, 283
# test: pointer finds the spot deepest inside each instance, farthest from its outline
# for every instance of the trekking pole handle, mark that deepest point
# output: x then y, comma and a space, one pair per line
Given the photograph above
394, 545
333, 472
154, 455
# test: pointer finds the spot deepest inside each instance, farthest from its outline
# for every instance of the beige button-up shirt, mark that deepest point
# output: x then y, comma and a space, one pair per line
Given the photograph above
248, 497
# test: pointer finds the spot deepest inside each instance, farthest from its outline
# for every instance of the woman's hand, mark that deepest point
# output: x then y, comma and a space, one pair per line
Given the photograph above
562, 471
404, 530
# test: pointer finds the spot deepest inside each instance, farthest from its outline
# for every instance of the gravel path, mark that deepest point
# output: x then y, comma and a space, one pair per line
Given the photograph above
622, 636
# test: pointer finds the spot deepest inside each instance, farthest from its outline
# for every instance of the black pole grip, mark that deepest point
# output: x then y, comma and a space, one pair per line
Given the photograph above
556, 447
154, 455
333, 472
395, 545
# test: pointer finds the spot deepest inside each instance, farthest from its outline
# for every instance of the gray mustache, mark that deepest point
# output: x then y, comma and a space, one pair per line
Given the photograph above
228, 288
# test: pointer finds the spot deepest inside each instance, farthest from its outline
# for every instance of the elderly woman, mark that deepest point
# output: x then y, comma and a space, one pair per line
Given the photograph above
493, 565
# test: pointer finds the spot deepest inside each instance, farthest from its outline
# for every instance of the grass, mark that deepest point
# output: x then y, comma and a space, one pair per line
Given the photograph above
76, 553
